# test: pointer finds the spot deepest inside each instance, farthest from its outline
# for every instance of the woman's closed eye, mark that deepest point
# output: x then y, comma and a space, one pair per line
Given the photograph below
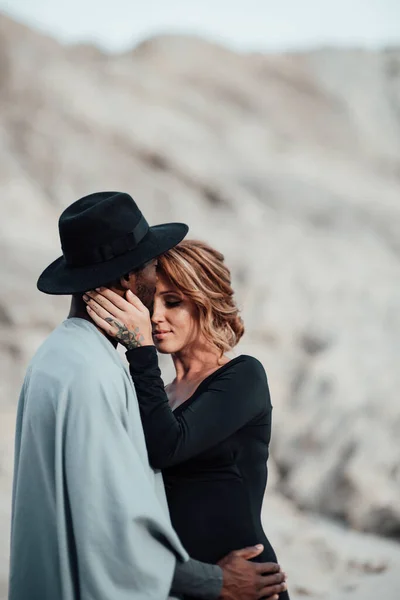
172, 303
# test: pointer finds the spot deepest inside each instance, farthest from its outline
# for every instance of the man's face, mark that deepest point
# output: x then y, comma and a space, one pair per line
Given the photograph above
143, 283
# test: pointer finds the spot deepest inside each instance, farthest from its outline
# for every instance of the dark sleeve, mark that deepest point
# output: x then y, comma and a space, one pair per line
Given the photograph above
232, 399
197, 579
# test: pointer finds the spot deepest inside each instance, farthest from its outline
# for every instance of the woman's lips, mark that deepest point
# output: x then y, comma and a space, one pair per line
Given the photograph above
160, 335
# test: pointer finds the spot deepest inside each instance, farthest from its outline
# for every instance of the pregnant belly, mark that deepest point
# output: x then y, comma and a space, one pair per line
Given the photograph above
213, 517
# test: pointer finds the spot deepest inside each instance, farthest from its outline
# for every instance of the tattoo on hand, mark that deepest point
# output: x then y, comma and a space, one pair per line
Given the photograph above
129, 339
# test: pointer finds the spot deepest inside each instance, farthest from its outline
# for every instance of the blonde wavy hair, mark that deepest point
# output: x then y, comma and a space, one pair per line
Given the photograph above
199, 273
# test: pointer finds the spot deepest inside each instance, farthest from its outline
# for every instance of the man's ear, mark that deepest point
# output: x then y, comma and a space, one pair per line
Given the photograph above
128, 282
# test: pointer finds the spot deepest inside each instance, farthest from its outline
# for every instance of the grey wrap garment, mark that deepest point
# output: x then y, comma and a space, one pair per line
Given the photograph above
89, 520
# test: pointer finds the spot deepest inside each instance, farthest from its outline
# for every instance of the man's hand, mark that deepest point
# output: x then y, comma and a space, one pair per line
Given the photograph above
244, 580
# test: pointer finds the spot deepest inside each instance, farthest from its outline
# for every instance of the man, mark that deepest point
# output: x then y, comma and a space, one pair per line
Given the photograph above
89, 518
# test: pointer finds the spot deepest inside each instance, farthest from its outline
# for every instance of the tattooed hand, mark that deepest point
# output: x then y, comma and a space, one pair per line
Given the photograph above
126, 320
130, 339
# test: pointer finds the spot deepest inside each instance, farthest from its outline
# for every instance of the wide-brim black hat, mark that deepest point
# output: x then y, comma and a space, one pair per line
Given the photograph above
103, 237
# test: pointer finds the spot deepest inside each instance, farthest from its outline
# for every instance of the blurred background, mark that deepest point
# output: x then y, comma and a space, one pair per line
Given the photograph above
272, 129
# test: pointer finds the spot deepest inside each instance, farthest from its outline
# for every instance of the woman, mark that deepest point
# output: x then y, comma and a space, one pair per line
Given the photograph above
209, 430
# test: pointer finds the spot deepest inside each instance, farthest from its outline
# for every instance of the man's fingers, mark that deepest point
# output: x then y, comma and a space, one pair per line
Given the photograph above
270, 590
250, 552
270, 580
269, 567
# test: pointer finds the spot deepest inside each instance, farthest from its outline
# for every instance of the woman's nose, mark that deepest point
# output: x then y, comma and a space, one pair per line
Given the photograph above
157, 316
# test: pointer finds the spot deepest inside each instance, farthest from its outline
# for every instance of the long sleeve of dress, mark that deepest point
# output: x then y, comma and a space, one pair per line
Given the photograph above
235, 396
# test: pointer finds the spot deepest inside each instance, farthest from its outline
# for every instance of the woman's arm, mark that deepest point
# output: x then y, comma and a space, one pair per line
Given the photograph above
231, 400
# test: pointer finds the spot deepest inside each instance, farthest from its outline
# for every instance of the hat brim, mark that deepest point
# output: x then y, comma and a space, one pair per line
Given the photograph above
62, 279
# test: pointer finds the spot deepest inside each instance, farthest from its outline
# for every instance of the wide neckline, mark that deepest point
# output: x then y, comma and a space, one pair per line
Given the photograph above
191, 398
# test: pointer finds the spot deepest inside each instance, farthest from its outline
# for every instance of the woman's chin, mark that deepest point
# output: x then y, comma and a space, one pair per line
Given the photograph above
161, 351
162, 348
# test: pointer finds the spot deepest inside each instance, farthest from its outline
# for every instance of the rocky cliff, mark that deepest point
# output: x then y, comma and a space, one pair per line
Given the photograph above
290, 164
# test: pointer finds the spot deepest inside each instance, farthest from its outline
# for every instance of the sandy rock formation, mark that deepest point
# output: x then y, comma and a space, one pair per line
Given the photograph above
291, 166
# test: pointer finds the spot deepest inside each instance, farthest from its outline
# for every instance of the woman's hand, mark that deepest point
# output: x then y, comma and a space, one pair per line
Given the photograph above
128, 321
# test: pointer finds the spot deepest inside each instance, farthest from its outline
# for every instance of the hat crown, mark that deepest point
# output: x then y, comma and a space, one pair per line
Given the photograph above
103, 236
98, 218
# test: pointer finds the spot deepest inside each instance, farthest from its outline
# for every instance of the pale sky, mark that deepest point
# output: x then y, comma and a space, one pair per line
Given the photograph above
243, 24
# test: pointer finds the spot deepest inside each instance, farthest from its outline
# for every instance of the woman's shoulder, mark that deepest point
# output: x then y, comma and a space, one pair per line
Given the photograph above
248, 377
244, 370
245, 363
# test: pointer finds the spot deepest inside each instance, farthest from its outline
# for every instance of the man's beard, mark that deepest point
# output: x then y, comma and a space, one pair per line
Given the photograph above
146, 294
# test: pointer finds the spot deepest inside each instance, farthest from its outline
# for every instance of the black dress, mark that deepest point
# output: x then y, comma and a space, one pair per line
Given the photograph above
213, 452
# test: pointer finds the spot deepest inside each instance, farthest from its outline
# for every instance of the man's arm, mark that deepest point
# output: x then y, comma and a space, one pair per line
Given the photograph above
197, 579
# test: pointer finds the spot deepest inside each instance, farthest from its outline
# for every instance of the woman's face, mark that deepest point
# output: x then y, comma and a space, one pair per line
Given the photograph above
175, 325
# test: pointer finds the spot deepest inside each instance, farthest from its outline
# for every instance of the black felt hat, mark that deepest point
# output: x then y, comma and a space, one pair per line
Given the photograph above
103, 237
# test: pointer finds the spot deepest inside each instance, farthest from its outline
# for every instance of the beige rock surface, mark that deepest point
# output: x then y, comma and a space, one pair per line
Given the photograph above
327, 562
291, 166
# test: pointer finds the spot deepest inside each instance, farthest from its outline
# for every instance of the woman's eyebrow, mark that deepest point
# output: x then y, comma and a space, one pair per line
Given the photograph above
169, 292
